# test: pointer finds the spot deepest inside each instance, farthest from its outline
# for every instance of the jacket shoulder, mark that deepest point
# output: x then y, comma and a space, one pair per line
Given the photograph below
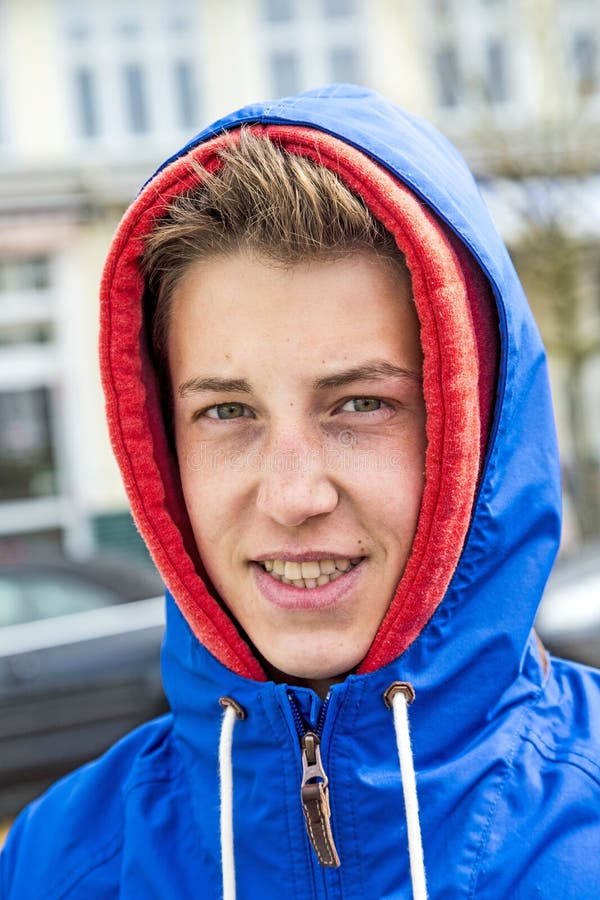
75, 831
568, 725
542, 829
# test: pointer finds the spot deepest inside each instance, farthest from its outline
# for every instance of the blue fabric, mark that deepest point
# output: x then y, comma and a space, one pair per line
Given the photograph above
507, 755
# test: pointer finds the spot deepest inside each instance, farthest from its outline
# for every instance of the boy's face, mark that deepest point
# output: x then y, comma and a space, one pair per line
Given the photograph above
300, 430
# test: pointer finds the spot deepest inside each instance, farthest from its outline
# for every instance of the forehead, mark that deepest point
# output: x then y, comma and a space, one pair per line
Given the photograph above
243, 310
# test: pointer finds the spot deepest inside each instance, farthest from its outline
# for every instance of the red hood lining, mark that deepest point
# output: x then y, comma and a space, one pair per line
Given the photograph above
459, 339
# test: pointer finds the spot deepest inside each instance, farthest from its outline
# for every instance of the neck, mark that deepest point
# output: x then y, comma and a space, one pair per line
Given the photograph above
319, 685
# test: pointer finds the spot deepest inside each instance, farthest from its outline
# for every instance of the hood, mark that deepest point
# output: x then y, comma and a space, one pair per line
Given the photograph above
489, 525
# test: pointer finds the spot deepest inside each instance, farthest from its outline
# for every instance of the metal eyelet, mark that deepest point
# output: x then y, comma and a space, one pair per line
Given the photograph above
404, 687
229, 701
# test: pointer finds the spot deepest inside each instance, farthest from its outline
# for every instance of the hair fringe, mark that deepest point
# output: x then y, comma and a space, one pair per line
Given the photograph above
281, 206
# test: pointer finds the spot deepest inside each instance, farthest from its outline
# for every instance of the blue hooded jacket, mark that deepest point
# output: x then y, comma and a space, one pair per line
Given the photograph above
506, 744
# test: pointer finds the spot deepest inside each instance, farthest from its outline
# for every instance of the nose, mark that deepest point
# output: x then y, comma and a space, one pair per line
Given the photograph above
295, 485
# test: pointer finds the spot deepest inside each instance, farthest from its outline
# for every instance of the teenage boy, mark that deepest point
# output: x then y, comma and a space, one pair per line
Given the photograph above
330, 406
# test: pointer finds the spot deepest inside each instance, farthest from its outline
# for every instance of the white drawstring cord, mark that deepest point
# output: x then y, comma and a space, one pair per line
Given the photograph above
233, 711
398, 696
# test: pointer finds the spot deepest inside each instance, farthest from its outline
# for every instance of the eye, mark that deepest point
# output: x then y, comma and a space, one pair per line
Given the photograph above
227, 411
362, 405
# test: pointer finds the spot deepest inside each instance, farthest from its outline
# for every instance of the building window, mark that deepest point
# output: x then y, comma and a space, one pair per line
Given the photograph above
313, 42
28, 274
76, 23
185, 93
18, 333
496, 81
128, 25
447, 75
86, 105
585, 63
285, 72
123, 60
136, 108
278, 10
338, 8
177, 16
344, 64
25, 310
27, 465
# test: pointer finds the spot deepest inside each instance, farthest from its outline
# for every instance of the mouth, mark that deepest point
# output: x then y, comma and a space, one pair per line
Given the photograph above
310, 573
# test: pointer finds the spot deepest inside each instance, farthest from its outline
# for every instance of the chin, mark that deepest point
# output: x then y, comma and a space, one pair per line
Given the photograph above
319, 665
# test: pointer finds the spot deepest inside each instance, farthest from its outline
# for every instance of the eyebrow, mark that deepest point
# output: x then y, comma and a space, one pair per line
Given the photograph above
369, 371
213, 383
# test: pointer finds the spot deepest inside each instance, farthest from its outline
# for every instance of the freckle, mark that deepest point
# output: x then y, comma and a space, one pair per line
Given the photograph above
228, 356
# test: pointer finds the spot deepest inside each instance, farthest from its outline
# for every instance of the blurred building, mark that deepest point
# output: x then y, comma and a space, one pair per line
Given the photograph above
94, 94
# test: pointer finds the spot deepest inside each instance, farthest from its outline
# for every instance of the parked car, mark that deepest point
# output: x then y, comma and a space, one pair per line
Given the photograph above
569, 617
79, 666
80, 658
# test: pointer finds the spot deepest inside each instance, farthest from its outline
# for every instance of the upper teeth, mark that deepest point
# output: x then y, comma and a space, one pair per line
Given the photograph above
311, 570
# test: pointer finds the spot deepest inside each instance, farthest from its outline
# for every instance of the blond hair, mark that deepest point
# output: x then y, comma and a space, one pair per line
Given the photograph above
284, 208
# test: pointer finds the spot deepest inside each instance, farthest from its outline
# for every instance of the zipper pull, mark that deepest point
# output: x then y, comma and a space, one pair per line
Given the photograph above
315, 802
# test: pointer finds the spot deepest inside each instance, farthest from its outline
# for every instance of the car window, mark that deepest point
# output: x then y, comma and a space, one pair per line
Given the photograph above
27, 597
11, 603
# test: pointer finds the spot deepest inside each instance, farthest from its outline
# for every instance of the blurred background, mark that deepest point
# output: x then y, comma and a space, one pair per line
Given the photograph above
93, 95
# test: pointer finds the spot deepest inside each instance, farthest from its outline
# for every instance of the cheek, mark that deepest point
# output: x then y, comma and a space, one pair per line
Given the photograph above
389, 489
214, 494
396, 502
396, 461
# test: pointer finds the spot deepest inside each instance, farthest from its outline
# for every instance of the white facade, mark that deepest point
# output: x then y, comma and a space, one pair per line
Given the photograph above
94, 94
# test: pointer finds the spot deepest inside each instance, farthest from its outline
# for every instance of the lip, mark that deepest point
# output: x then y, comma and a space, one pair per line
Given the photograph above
286, 596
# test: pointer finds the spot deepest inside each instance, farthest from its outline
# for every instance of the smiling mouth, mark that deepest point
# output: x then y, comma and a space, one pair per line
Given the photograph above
310, 573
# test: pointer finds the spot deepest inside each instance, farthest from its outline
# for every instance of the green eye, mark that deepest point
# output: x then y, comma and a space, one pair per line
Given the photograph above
226, 411
362, 404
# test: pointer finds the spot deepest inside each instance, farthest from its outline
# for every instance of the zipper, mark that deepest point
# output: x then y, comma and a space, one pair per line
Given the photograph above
314, 788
